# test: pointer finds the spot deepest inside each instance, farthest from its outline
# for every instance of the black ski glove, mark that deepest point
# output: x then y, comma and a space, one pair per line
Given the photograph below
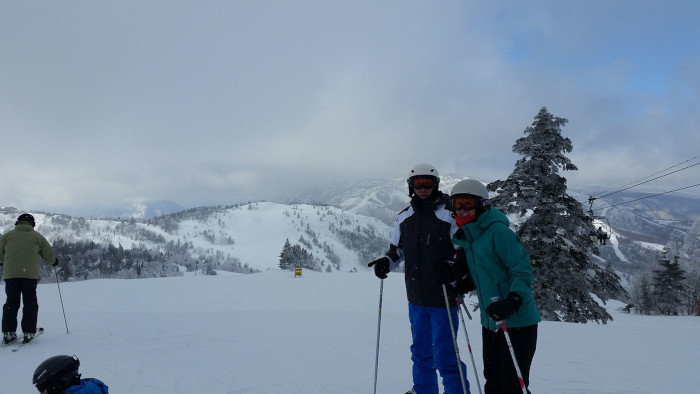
465, 285
382, 266
55, 263
444, 272
503, 309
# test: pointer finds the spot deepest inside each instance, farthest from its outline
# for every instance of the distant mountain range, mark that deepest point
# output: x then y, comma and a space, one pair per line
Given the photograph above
381, 199
351, 222
653, 218
640, 224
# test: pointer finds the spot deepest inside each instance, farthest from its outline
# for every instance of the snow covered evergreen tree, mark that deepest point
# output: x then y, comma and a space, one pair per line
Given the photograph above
555, 228
693, 292
643, 298
669, 288
287, 261
691, 249
294, 256
686, 254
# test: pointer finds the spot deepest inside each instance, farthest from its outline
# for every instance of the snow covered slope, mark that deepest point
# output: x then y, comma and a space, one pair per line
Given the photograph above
269, 333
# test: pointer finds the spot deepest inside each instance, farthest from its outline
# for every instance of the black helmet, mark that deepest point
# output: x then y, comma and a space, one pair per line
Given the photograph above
57, 373
25, 217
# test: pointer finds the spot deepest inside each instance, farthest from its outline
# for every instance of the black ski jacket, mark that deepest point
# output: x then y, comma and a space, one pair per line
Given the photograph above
422, 236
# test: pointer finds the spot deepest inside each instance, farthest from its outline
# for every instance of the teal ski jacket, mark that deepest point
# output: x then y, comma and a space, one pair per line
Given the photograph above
498, 265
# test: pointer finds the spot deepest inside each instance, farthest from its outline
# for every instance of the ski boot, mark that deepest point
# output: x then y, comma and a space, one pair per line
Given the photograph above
8, 337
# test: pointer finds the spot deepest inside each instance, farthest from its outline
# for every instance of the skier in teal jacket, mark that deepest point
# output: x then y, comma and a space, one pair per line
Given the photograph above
502, 273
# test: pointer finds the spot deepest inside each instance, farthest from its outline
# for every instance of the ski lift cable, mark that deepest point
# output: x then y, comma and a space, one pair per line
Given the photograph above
647, 181
643, 198
640, 179
659, 172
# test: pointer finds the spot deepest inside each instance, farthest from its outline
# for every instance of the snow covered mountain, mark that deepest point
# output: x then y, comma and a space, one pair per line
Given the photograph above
644, 216
240, 238
342, 226
640, 224
381, 199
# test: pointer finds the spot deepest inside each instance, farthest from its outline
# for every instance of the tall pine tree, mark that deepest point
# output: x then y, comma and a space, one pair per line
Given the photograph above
643, 296
555, 227
287, 261
669, 287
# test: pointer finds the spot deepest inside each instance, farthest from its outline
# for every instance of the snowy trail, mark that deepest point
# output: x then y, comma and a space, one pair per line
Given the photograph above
271, 333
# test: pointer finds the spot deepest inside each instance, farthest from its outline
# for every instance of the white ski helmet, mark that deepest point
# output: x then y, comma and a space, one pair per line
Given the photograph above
470, 186
423, 169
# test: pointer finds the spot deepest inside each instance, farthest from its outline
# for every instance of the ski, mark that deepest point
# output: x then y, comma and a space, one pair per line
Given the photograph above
8, 344
39, 331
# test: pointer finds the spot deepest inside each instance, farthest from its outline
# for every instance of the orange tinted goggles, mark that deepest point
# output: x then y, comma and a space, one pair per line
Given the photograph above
422, 183
465, 203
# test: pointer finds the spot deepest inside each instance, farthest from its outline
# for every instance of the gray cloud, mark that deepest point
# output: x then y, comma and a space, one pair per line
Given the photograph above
221, 102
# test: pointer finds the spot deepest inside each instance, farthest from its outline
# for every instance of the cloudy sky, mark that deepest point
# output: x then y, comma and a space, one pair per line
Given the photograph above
217, 102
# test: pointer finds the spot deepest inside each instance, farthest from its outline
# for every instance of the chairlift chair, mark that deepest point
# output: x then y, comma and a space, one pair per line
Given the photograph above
602, 220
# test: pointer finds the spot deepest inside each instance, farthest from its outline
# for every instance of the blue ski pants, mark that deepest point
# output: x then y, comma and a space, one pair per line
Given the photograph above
433, 348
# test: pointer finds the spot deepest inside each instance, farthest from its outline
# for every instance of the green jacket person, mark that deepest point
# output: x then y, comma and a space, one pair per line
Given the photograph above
20, 252
502, 274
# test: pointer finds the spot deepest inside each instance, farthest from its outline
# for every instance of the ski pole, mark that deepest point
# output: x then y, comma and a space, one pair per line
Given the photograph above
460, 301
61, 298
454, 340
379, 326
510, 348
464, 305
512, 355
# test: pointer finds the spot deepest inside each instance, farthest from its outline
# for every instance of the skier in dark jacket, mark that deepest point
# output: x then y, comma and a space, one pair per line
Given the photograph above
501, 271
422, 240
602, 235
20, 252
59, 375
